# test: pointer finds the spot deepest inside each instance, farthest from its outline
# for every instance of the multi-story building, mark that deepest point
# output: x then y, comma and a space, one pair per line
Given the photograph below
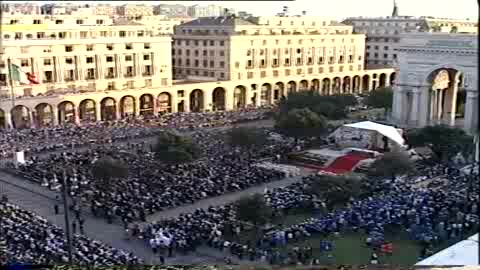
132, 10
229, 48
383, 34
91, 56
170, 10
160, 24
92, 69
198, 11
104, 9
20, 8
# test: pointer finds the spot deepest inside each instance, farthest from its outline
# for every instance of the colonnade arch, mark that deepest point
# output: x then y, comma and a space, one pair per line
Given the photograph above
325, 87
44, 115
146, 104
108, 109
87, 110
279, 91
291, 87
365, 83
21, 117
315, 85
382, 81
266, 94
196, 100
3, 119
164, 102
219, 96
346, 86
337, 85
66, 112
239, 97
303, 85
356, 84
128, 106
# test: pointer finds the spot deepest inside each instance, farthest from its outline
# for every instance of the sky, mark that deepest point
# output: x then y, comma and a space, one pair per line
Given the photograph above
340, 9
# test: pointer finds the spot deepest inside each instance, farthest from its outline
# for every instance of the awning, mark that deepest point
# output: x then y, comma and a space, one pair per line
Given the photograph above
388, 131
462, 253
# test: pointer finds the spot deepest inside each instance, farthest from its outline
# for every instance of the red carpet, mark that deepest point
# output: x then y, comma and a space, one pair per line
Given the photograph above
344, 164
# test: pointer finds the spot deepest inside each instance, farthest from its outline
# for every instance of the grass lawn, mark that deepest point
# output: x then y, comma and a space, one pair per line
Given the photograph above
350, 248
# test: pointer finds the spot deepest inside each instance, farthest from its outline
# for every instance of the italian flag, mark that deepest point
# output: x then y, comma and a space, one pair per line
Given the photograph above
21, 76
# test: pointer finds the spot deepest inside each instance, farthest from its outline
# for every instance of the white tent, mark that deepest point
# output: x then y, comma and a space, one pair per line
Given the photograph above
388, 131
462, 253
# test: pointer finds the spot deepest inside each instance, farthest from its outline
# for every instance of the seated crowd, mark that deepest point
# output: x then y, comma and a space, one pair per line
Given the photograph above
71, 136
152, 186
441, 212
29, 238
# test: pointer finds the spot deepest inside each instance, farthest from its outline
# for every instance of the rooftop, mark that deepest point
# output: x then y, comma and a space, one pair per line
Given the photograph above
227, 21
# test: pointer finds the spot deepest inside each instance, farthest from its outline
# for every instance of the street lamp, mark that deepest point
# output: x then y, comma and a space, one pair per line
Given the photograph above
66, 216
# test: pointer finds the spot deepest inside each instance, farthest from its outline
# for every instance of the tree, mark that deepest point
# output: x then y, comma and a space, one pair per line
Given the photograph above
253, 209
107, 168
301, 123
173, 148
380, 98
392, 164
335, 189
337, 104
246, 137
444, 141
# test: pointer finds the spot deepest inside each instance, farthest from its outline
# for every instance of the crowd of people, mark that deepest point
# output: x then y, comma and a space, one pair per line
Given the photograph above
152, 186
444, 210
31, 239
71, 136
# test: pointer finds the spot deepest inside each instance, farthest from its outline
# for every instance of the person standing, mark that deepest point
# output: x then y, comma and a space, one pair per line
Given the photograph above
56, 209
74, 227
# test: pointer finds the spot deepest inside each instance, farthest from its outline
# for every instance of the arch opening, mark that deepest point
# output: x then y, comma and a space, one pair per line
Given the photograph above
164, 102
66, 113
146, 105
218, 99
382, 81
240, 97
127, 106
279, 91
3, 120
266, 94
337, 85
365, 83
303, 85
346, 85
291, 87
196, 101
108, 109
21, 117
44, 115
88, 111
356, 84
326, 86
315, 85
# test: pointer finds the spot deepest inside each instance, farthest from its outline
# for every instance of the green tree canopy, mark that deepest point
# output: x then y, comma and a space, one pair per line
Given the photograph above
174, 148
253, 209
246, 137
444, 141
331, 107
380, 98
392, 164
106, 168
335, 189
301, 123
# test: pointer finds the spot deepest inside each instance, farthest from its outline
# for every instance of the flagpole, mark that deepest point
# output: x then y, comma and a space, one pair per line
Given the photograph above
12, 89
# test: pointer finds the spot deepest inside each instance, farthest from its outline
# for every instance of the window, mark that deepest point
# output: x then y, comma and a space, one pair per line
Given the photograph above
18, 36
310, 70
205, 63
205, 43
129, 71
146, 46
195, 42
69, 76
376, 55
330, 69
287, 72
205, 53
128, 58
212, 42
79, 21
111, 86
122, 34
299, 71
100, 22
385, 47
222, 53
109, 58
89, 60
376, 47
130, 84
263, 74
275, 62
147, 70
37, 22
350, 68
340, 69
110, 73
385, 55
320, 70
196, 63
128, 46
196, 52
212, 53
187, 62
3, 79
287, 61
368, 47
394, 56
299, 61
29, 36
321, 60
187, 52
89, 48
90, 74
69, 60
212, 64
275, 73
48, 76
249, 64
47, 62
24, 63
222, 64
59, 22
83, 34
24, 49
69, 48
40, 35
103, 33
340, 60
250, 75
310, 61
222, 43
146, 57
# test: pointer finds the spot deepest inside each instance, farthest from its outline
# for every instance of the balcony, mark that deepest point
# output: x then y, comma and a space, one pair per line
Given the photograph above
146, 74
110, 76
69, 79
128, 75
90, 77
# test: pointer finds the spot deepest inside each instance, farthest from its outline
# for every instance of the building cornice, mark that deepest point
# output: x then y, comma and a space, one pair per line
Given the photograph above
471, 52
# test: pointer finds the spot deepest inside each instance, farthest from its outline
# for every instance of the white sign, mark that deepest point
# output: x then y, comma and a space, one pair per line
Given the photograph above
20, 157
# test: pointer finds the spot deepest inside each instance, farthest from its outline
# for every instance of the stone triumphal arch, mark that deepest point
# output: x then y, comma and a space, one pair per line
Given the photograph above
437, 81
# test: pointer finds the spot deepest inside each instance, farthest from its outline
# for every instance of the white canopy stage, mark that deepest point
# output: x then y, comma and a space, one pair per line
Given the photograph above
387, 131
462, 253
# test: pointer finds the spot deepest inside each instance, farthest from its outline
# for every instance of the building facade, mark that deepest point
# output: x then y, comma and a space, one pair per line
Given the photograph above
132, 10
102, 70
171, 10
198, 11
230, 48
384, 33
66, 56
437, 80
